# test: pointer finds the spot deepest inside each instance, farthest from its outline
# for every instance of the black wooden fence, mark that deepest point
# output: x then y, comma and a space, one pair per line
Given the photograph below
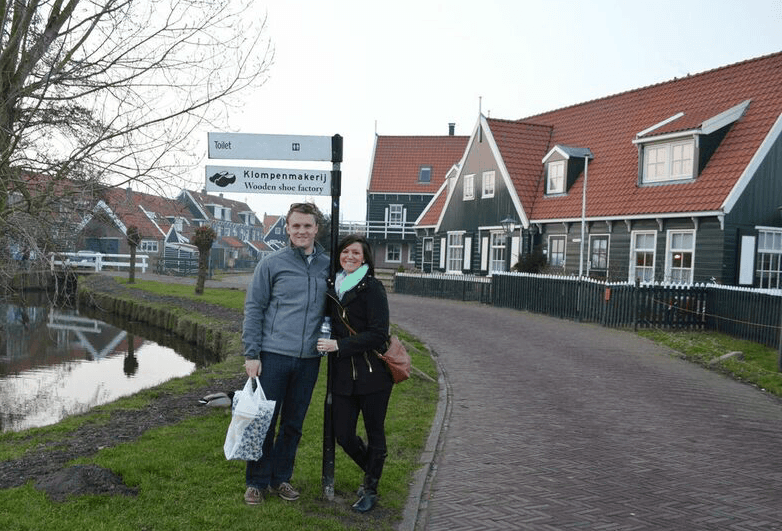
743, 313
460, 288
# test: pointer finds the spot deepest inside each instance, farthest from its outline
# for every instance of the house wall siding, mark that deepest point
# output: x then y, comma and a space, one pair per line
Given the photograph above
413, 203
478, 212
708, 258
758, 205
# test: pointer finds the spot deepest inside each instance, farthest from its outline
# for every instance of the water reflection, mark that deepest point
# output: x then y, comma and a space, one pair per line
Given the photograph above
55, 362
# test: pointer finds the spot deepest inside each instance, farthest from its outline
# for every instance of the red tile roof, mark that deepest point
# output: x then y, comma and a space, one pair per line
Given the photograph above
398, 159
608, 126
269, 221
231, 242
128, 205
236, 207
260, 246
431, 215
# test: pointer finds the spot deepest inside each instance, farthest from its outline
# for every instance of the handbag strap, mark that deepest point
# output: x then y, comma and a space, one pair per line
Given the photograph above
343, 316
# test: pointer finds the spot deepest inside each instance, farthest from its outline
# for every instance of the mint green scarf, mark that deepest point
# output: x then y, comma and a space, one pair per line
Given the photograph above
347, 281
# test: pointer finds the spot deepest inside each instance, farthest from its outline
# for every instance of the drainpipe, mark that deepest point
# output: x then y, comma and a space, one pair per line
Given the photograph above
583, 219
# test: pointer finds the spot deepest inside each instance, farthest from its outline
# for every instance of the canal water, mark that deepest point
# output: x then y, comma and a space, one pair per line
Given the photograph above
57, 362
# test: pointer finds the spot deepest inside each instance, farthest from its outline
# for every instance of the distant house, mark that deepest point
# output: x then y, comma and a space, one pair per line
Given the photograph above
167, 226
258, 250
676, 182
275, 236
234, 223
406, 173
162, 223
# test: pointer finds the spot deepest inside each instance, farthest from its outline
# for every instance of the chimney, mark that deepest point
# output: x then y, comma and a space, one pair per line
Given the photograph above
128, 194
451, 128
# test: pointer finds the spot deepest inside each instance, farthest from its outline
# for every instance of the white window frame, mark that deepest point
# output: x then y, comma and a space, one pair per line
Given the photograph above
555, 177
487, 187
676, 274
563, 239
647, 270
148, 246
468, 192
498, 248
769, 259
454, 261
665, 161
395, 215
590, 250
392, 250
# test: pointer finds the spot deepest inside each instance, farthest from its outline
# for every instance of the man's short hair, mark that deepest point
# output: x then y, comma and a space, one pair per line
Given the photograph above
306, 208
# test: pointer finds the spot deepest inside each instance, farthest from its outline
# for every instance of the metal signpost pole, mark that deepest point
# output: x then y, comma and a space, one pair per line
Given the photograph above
328, 428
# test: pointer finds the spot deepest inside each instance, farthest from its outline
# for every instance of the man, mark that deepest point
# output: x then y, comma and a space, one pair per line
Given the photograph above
283, 310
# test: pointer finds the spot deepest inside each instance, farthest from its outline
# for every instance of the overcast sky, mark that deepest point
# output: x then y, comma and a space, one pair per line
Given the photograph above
409, 67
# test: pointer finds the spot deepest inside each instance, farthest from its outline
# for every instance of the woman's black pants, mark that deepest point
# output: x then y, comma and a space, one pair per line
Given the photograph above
372, 407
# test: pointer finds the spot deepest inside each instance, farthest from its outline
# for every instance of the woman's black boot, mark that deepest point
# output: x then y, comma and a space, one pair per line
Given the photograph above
368, 497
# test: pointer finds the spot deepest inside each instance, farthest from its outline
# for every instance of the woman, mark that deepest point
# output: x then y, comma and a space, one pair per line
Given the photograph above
361, 382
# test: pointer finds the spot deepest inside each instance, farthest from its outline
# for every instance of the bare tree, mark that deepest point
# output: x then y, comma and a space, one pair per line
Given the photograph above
134, 239
97, 93
204, 236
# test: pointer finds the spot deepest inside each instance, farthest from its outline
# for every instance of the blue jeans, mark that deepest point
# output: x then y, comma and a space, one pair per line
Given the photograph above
289, 381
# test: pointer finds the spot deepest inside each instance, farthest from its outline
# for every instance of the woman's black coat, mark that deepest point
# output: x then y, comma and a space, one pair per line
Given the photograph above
356, 368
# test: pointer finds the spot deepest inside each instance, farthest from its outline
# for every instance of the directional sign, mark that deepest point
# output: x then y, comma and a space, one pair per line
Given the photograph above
244, 179
243, 146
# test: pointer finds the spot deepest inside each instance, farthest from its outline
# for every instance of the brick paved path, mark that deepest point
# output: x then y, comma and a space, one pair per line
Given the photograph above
555, 425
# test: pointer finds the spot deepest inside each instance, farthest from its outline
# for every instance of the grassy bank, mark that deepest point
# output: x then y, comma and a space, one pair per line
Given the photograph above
756, 364
184, 481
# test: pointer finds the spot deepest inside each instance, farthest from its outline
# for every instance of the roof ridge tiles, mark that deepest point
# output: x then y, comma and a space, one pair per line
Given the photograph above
652, 85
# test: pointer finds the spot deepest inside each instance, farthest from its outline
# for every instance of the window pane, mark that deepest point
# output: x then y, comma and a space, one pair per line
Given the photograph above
497, 256
469, 187
557, 251
556, 177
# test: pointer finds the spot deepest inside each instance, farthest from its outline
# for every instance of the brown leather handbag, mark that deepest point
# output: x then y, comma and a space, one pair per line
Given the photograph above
395, 357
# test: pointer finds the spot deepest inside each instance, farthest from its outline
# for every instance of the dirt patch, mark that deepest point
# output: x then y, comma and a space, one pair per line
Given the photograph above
83, 479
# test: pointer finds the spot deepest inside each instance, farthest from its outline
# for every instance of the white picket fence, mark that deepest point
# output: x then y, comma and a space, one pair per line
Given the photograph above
96, 261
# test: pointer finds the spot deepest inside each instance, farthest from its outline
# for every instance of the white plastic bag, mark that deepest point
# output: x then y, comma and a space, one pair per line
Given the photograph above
250, 421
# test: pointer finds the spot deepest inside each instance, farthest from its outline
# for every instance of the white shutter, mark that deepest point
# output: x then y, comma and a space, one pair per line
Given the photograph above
467, 252
484, 254
443, 252
514, 250
747, 263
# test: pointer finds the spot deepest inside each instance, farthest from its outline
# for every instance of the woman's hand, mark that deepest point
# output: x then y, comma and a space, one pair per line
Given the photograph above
327, 345
253, 368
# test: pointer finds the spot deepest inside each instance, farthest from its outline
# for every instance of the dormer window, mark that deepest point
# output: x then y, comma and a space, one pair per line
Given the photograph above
563, 165
679, 147
670, 161
425, 174
555, 181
